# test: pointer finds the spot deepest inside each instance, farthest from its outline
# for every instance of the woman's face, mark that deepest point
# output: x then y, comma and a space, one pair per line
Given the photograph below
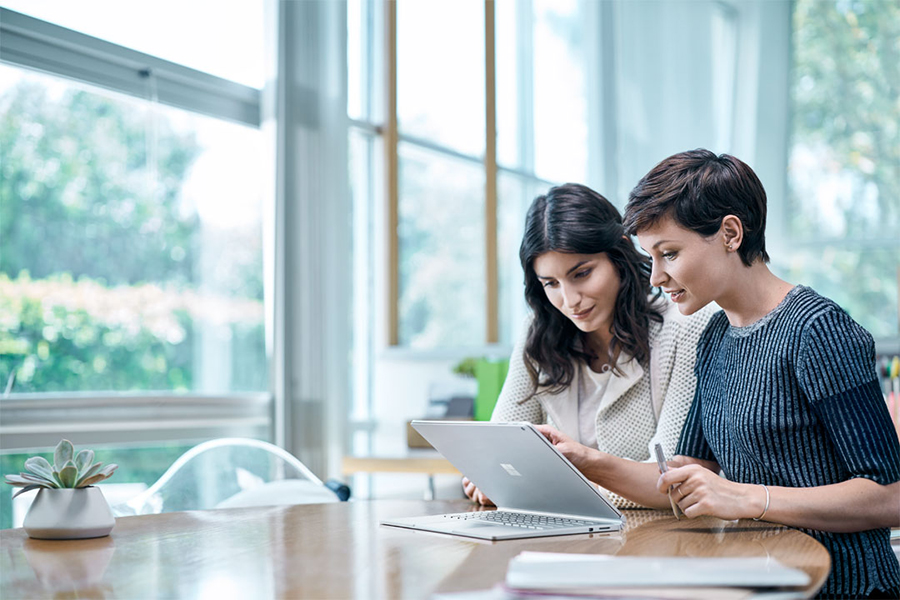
694, 270
583, 287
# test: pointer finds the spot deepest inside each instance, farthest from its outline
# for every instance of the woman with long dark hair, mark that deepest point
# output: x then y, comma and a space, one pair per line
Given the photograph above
603, 358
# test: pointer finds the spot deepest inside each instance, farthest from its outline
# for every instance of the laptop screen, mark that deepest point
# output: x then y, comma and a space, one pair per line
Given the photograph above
517, 467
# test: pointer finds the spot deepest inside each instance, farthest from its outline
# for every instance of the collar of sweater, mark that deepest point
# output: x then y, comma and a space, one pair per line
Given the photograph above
562, 408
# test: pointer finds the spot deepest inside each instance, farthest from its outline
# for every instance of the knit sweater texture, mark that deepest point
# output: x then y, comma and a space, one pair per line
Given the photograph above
644, 405
793, 400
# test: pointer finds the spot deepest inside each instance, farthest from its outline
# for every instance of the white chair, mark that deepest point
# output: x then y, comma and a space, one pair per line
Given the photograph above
231, 473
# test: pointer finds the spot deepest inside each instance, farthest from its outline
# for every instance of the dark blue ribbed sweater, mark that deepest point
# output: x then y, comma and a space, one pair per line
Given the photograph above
793, 400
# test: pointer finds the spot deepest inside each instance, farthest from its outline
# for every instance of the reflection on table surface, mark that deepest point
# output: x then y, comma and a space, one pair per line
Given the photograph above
340, 551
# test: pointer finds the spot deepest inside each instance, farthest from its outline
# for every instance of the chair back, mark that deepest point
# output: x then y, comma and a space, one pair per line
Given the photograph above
229, 473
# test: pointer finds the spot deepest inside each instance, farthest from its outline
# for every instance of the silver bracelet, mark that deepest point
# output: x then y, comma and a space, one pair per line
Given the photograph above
766, 509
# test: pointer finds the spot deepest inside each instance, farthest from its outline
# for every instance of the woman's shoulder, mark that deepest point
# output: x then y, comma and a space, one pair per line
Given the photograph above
804, 315
806, 306
821, 321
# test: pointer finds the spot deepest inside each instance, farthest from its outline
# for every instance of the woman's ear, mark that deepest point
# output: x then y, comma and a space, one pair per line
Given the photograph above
732, 231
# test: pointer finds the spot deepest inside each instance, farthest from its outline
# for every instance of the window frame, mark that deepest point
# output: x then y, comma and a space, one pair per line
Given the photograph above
386, 127
38, 45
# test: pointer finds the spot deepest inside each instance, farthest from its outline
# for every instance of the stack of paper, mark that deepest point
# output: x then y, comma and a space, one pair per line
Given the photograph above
601, 575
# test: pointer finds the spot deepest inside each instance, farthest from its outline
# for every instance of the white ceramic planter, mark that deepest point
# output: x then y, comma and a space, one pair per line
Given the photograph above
67, 514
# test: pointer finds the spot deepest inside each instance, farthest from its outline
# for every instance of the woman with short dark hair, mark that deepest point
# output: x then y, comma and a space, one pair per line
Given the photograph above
787, 404
602, 357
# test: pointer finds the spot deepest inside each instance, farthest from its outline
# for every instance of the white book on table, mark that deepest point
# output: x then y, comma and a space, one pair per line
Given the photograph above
568, 572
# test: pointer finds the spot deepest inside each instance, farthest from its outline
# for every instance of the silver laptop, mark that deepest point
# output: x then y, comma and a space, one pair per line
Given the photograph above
538, 492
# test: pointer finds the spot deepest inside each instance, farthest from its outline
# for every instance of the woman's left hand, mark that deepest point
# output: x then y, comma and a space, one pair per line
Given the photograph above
699, 491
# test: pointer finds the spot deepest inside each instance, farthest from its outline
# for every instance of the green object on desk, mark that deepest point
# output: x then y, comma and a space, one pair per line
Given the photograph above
490, 375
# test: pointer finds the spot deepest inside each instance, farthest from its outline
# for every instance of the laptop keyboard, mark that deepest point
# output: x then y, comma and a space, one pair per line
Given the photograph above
524, 520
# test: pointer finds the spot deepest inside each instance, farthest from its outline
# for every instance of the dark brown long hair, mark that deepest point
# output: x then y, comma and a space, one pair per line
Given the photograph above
575, 219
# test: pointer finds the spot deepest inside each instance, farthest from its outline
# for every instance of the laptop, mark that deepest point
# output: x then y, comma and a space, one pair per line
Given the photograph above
538, 492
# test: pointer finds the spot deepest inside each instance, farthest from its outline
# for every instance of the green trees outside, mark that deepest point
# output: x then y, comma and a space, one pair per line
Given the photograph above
64, 335
100, 255
843, 208
846, 86
99, 250
76, 196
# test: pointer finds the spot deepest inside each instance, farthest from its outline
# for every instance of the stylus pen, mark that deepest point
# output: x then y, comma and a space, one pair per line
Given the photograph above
663, 467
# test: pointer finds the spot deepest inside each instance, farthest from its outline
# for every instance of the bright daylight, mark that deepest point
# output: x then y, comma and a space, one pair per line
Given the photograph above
457, 300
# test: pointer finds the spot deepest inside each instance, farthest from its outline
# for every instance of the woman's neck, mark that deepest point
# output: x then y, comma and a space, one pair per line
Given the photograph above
752, 294
598, 344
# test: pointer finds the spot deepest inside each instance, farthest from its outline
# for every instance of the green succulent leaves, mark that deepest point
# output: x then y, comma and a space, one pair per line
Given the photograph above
69, 470
63, 454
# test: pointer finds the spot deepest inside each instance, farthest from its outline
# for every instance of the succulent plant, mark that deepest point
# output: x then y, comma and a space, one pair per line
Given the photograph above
67, 471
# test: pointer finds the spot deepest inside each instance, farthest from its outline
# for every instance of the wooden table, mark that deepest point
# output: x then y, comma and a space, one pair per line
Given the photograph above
340, 551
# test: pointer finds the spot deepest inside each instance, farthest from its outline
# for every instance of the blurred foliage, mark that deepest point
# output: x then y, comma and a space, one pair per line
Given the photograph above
846, 118
76, 195
441, 258
99, 252
466, 367
862, 282
63, 335
843, 204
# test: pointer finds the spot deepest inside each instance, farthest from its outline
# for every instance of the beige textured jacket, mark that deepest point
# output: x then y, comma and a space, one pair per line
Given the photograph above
639, 408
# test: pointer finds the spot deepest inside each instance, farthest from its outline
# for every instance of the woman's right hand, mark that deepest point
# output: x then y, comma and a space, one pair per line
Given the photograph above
474, 494
578, 454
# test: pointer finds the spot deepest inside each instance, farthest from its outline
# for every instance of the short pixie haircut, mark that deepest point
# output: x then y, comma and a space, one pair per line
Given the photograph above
698, 189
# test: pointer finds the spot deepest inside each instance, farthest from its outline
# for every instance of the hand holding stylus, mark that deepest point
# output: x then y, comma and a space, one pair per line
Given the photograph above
663, 467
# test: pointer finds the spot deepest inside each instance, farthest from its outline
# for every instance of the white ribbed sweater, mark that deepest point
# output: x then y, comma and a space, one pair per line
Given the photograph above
639, 408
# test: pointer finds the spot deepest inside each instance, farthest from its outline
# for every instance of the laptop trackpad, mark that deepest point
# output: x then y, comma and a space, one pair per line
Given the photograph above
468, 526
473, 525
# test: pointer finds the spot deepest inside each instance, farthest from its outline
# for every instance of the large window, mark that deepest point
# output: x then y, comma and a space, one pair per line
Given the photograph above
454, 130
570, 92
454, 136
843, 209
440, 99
130, 243
543, 51
132, 195
459, 201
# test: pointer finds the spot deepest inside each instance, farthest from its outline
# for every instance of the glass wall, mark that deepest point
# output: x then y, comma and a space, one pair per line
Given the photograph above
843, 208
441, 233
441, 124
130, 240
598, 93
132, 315
130, 243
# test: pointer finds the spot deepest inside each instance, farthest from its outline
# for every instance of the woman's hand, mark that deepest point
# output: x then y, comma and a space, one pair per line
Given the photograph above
699, 491
474, 494
578, 454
